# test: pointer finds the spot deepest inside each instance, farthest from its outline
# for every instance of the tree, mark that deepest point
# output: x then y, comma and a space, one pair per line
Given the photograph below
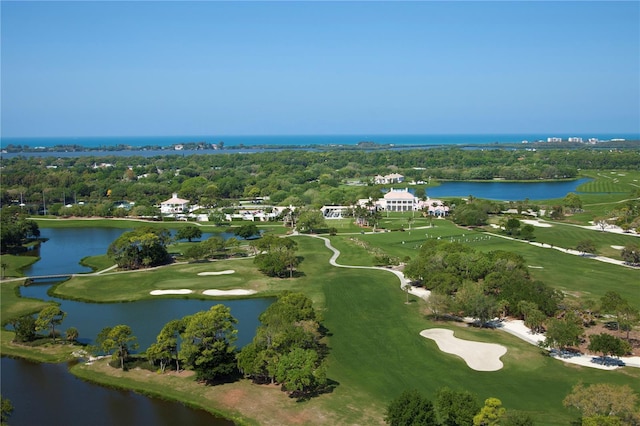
613, 303
474, 303
572, 201
6, 408
526, 232
601, 222
564, 332
144, 246
207, 343
119, 339
490, 414
604, 400
631, 254
516, 418
165, 348
25, 328
71, 334
50, 317
586, 246
470, 215
310, 220
439, 304
628, 317
456, 408
607, 344
247, 231
299, 371
411, 408
406, 288
276, 257
188, 232
512, 226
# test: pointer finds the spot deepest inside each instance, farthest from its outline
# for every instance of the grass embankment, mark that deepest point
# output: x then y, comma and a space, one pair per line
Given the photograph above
14, 306
14, 265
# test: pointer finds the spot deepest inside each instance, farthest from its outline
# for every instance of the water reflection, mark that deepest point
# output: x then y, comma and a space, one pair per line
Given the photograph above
46, 394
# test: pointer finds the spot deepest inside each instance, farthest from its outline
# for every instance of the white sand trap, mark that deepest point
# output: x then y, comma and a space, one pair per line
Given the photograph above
227, 272
535, 267
536, 223
479, 356
161, 292
617, 247
234, 292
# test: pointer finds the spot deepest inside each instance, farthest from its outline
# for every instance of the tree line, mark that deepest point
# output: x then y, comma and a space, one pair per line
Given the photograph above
316, 178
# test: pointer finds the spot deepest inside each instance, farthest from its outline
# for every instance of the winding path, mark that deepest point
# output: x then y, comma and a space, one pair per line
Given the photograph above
416, 291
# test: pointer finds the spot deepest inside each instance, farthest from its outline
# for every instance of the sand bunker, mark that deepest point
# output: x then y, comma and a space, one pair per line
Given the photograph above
479, 356
234, 292
161, 292
227, 272
536, 223
617, 247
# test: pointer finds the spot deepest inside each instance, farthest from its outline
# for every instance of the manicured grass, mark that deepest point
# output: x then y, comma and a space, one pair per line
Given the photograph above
568, 236
15, 264
97, 263
48, 352
611, 181
135, 285
14, 306
376, 353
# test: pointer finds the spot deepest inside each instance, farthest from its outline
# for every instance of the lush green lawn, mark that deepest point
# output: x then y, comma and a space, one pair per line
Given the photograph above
376, 353
14, 306
568, 236
13, 265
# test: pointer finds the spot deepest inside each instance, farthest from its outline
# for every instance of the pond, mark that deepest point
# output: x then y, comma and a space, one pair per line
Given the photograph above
65, 247
60, 398
506, 191
147, 317
47, 394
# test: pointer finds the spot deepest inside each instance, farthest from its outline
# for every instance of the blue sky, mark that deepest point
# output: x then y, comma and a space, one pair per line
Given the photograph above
224, 68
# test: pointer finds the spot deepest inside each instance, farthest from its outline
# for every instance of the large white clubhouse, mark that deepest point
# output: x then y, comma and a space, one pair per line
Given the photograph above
396, 200
174, 205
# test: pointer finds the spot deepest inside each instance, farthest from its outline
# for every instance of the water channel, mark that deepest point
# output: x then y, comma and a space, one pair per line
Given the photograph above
48, 394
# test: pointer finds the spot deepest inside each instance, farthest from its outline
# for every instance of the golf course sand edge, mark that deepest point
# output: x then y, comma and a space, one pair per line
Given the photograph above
479, 356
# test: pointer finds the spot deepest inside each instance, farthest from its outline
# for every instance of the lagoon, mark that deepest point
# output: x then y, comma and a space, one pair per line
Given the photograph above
49, 394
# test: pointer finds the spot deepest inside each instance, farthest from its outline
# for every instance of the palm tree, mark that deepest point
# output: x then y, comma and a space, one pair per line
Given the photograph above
406, 288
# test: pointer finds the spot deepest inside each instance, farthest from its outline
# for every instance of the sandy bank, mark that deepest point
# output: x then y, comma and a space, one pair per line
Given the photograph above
234, 292
479, 356
227, 272
161, 292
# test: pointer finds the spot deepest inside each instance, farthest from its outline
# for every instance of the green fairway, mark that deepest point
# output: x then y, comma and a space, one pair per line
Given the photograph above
13, 265
14, 306
376, 353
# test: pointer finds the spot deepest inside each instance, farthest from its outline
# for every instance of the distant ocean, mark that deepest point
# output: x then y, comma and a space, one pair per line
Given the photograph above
303, 140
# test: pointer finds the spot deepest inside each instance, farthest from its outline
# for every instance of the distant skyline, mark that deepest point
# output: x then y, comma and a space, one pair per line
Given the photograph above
296, 68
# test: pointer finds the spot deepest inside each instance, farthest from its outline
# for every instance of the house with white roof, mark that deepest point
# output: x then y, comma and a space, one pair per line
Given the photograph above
387, 179
174, 205
399, 200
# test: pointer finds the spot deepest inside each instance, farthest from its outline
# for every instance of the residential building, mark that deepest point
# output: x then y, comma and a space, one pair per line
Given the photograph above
174, 205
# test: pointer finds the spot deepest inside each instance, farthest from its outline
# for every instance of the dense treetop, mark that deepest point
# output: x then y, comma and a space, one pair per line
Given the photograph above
207, 179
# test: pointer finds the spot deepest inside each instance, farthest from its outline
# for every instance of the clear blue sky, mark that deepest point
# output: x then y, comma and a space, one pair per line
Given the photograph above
224, 68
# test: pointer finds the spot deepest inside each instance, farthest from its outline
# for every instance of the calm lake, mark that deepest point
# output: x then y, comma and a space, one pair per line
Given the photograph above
48, 394
506, 191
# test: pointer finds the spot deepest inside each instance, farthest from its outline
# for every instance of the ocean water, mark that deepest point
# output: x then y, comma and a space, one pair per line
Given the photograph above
301, 140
